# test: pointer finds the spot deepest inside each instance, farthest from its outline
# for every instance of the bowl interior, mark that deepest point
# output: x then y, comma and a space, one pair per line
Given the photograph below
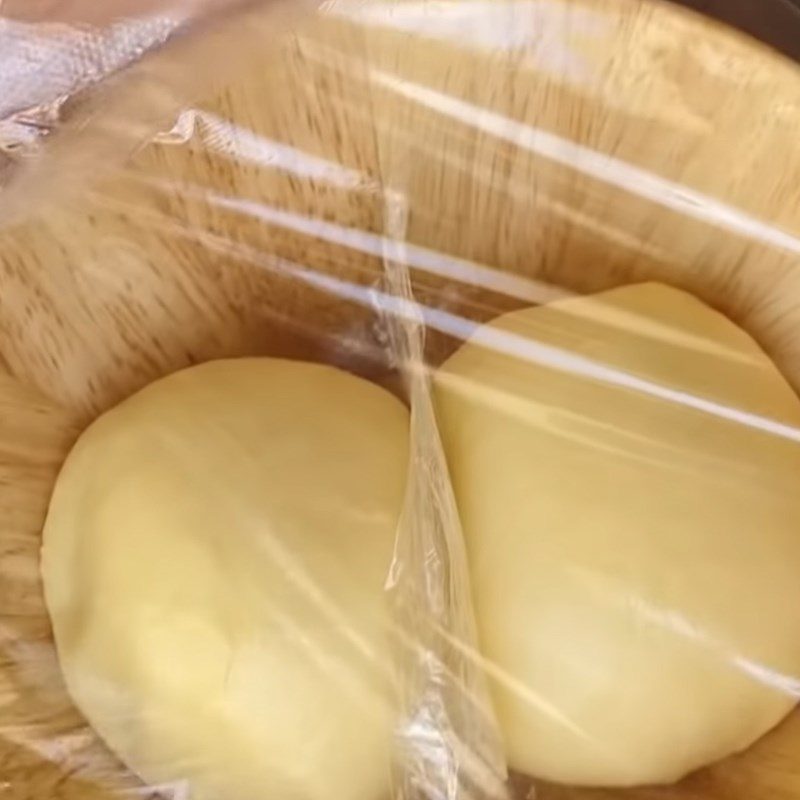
511, 153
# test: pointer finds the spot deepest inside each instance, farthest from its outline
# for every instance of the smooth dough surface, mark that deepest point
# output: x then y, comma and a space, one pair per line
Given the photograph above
635, 553
214, 560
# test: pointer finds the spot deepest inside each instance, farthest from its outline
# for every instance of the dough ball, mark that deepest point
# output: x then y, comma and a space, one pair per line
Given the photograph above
214, 561
633, 527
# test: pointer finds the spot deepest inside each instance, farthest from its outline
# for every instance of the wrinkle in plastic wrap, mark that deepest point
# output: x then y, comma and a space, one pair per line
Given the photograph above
448, 746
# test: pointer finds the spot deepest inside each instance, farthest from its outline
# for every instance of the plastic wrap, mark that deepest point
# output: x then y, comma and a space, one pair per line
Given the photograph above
106, 78
366, 190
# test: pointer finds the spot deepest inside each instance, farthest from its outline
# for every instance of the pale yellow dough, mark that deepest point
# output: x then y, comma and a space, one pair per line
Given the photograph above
636, 560
214, 561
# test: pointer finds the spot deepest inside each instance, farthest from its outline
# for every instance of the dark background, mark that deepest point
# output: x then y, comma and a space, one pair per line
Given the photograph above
776, 22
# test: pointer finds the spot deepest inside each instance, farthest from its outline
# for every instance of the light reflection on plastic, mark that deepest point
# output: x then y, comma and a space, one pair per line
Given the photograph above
464, 329
291, 567
599, 166
533, 27
677, 623
235, 141
222, 136
572, 427
523, 692
553, 357
431, 261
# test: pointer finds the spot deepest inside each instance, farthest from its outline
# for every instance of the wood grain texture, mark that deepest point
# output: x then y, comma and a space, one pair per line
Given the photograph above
615, 141
45, 745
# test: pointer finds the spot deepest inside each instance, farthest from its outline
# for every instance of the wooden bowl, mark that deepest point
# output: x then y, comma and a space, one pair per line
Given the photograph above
539, 148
